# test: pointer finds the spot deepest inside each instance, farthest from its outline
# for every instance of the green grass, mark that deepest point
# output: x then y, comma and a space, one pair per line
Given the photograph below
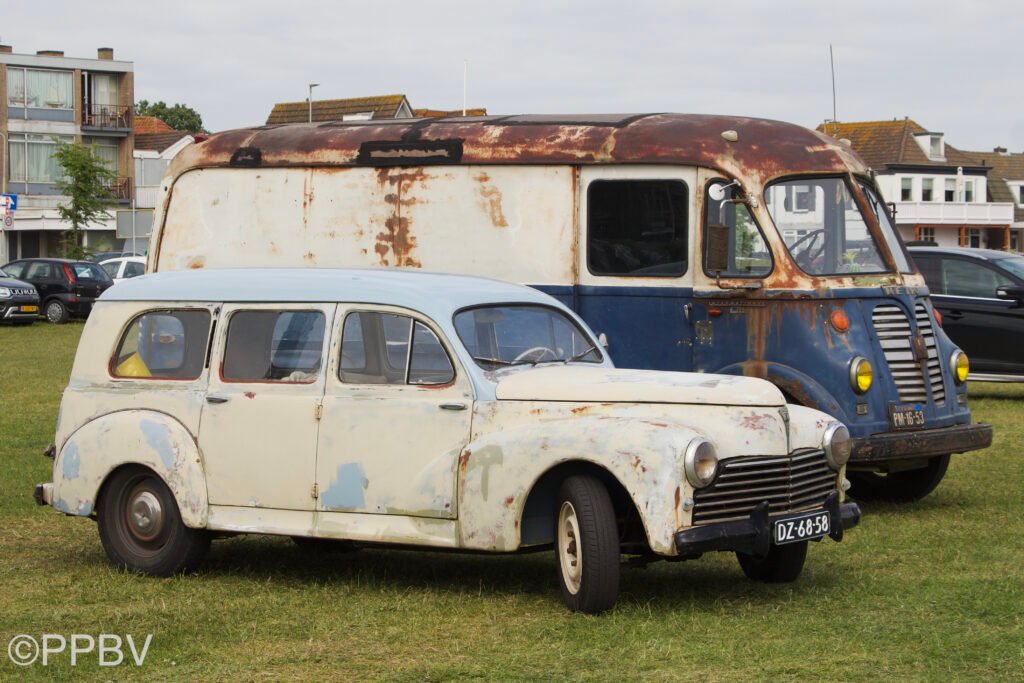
931, 591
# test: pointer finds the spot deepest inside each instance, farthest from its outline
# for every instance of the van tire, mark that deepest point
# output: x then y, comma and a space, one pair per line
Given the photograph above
782, 564
899, 487
141, 529
56, 312
586, 545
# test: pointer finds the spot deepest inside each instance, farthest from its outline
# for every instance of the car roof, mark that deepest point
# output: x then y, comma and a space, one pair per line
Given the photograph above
985, 254
118, 259
432, 293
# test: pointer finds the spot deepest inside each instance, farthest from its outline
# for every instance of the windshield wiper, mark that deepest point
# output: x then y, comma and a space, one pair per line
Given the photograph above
581, 354
496, 361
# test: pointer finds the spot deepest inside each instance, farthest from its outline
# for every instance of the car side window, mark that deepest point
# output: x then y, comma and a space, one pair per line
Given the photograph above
111, 268
375, 349
964, 278
166, 344
274, 346
931, 269
40, 271
133, 269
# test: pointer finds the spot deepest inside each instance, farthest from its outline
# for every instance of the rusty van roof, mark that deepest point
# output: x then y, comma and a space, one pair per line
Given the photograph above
762, 149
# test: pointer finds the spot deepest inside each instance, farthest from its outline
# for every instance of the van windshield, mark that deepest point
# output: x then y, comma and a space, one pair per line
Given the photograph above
822, 227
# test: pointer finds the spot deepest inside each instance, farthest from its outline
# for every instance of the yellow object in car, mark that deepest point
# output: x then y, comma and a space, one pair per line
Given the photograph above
133, 366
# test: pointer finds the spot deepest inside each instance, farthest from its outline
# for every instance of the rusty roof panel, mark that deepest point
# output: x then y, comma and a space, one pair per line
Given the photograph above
764, 148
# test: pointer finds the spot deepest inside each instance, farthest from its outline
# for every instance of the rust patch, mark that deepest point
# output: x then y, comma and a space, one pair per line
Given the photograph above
492, 201
197, 263
579, 410
398, 239
509, 501
249, 394
309, 256
756, 422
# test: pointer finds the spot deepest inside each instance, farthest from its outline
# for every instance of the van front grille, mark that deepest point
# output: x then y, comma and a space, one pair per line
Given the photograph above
800, 481
896, 339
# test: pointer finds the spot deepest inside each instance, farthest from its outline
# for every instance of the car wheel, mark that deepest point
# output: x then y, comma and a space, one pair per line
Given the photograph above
56, 312
901, 487
782, 564
141, 528
587, 546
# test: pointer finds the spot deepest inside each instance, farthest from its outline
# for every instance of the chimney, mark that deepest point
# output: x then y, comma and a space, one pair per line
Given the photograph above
50, 53
999, 150
6, 49
105, 53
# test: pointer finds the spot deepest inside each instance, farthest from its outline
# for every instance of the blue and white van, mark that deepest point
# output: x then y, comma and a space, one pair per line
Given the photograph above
703, 243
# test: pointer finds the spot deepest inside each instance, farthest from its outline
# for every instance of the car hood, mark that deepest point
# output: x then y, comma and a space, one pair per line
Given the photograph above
613, 385
16, 284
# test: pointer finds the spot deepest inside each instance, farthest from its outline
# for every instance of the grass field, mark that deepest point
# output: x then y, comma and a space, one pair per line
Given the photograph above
930, 591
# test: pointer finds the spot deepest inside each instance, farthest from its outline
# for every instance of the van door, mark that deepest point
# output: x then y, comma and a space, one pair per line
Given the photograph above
637, 229
258, 432
396, 417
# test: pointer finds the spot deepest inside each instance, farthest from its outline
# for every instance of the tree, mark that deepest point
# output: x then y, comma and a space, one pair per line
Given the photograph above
178, 117
86, 183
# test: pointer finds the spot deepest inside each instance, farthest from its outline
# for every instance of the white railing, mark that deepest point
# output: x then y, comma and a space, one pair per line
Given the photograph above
954, 213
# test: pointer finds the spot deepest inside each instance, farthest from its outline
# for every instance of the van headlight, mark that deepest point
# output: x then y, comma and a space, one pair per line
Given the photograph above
861, 374
837, 445
960, 366
700, 463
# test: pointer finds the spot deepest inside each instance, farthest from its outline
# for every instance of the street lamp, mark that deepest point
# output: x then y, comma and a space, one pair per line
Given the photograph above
311, 86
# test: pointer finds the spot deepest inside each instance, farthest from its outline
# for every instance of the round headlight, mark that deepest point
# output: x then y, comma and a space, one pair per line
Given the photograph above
5, 293
700, 463
960, 366
837, 445
861, 374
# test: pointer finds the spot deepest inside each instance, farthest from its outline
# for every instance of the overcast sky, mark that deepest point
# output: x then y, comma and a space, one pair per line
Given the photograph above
955, 67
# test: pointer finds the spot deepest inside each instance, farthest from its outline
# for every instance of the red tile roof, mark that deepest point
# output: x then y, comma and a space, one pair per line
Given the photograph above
443, 113
383, 107
158, 142
885, 143
145, 125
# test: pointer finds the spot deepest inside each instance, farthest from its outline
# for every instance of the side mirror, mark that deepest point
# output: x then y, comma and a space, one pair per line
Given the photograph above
717, 248
1013, 293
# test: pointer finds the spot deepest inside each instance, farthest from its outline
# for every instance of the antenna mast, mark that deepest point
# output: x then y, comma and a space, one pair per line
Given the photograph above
832, 62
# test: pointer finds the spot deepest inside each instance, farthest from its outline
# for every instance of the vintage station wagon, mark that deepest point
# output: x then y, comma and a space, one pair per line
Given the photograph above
389, 407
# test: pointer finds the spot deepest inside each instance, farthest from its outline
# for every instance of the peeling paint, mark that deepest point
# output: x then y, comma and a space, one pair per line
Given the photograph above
347, 490
157, 437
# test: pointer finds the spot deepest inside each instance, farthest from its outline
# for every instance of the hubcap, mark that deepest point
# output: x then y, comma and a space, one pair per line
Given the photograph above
569, 556
145, 515
53, 312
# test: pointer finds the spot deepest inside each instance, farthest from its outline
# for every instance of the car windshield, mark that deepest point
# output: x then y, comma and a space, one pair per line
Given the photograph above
498, 336
1013, 265
3, 274
822, 227
88, 271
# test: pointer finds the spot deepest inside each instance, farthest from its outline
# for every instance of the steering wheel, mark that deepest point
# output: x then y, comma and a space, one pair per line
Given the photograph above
539, 351
809, 254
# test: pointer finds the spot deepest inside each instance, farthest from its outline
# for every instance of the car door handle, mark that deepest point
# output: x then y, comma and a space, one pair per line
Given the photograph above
452, 406
216, 398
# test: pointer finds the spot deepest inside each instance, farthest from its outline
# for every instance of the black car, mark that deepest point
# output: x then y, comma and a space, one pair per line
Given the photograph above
980, 295
19, 301
66, 288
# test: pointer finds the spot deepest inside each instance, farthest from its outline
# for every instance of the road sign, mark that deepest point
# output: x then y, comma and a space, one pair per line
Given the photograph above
9, 220
9, 201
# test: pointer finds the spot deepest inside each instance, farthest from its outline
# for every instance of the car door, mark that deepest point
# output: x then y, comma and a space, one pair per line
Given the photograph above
43, 275
396, 417
259, 425
975, 318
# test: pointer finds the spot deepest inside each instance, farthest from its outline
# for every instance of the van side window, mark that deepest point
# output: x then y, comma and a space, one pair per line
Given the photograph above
375, 350
748, 254
637, 227
274, 346
165, 344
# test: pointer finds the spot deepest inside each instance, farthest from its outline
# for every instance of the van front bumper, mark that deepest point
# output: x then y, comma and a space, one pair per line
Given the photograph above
754, 534
926, 443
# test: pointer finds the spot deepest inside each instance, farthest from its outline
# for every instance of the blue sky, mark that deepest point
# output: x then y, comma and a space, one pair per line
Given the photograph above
955, 68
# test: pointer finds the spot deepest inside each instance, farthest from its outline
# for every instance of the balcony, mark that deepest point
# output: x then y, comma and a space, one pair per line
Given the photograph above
121, 188
108, 117
954, 213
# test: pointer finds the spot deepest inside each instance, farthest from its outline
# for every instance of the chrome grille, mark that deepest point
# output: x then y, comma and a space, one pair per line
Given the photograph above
789, 483
894, 335
924, 324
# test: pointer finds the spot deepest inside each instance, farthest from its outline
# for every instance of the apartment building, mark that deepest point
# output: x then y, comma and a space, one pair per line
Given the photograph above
47, 98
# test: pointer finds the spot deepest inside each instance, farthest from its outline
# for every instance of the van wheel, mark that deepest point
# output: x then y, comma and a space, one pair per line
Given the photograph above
587, 546
782, 564
141, 528
900, 487
56, 312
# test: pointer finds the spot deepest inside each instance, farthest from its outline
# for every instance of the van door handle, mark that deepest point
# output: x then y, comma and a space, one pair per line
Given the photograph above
452, 406
216, 398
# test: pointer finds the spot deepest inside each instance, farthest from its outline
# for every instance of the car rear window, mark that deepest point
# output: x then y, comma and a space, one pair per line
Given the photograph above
89, 271
165, 344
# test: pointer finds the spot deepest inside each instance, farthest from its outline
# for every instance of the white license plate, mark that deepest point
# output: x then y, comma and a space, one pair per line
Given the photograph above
801, 527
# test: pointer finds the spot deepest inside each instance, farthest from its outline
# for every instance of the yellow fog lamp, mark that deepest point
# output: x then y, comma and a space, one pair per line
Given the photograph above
960, 366
861, 374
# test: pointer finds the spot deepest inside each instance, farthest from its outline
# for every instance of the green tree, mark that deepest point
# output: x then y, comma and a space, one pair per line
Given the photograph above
178, 116
86, 183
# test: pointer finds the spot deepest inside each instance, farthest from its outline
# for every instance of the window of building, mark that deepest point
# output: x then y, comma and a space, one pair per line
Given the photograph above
274, 346
637, 227
375, 349
968, 190
168, 344
907, 190
38, 89
1020, 195
104, 150
1015, 240
32, 159
927, 234
973, 238
935, 148
950, 195
927, 188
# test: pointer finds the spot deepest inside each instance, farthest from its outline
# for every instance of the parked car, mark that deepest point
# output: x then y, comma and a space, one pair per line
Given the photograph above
124, 267
66, 288
980, 295
101, 256
19, 301
390, 407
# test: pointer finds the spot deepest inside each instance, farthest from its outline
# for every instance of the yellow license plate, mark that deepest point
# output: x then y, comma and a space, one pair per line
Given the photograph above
29, 309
